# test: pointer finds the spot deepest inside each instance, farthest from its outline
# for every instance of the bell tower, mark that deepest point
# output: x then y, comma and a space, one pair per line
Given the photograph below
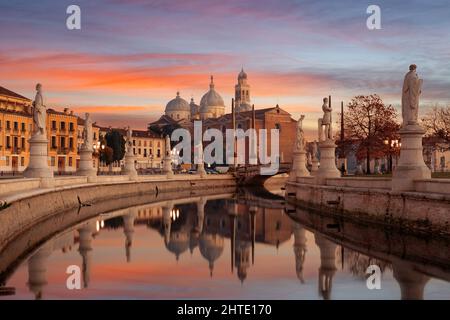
242, 93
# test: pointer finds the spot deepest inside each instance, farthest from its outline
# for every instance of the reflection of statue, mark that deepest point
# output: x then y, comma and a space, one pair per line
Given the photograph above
39, 111
314, 150
412, 88
326, 120
300, 143
88, 135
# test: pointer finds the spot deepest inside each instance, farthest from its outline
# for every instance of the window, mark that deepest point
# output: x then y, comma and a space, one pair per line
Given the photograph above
53, 125
95, 135
145, 152
8, 125
23, 127
71, 126
53, 142
22, 144
62, 125
62, 142
150, 151
22, 161
134, 142
71, 143
16, 126
278, 126
139, 151
158, 153
139, 143
70, 162
145, 143
8, 142
134, 150
16, 142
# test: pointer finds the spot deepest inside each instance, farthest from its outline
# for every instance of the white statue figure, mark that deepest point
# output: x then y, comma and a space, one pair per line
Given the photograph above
168, 148
300, 146
129, 142
412, 88
87, 132
326, 120
309, 159
39, 111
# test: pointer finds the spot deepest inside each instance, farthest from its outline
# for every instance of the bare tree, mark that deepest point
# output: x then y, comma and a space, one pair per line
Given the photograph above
437, 122
368, 122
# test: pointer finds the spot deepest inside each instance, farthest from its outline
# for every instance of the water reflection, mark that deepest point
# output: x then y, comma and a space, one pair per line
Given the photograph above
231, 232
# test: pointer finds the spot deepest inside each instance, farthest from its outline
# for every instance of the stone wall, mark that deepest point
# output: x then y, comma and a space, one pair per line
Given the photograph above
36, 205
414, 211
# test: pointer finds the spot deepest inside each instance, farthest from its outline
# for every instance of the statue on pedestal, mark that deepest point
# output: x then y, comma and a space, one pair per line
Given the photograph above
129, 142
412, 88
326, 120
300, 138
87, 132
39, 112
314, 151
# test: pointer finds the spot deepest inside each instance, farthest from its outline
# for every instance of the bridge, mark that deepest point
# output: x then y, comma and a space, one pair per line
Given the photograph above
251, 174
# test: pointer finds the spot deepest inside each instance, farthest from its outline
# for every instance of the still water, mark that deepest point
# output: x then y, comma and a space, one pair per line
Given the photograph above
223, 247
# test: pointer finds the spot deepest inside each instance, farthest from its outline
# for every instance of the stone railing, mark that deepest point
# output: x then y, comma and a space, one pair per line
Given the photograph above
441, 186
367, 183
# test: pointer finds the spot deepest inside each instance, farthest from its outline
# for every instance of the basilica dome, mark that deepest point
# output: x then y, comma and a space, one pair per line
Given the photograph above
211, 248
178, 108
211, 104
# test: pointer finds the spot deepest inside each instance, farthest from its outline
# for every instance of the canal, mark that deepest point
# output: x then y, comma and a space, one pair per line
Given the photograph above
238, 245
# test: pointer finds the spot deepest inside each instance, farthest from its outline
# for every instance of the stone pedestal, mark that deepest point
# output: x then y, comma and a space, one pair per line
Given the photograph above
411, 165
38, 166
298, 166
314, 167
328, 167
129, 166
201, 170
86, 165
167, 167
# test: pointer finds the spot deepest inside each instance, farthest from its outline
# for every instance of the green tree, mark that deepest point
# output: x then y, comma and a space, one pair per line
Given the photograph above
115, 141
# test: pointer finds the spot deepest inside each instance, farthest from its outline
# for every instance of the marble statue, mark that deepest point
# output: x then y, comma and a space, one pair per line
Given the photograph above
87, 132
129, 142
326, 120
39, 111
412, 88
168, 148
300, 139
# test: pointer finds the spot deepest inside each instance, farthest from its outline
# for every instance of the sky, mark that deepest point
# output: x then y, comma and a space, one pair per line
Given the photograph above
131, 57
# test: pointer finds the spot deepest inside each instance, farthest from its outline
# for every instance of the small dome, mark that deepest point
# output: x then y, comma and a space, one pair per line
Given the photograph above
242, 75
211, 99
178, 243
211, 246
178, 104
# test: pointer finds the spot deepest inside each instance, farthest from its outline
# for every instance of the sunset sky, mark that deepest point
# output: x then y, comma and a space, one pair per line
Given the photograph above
130, 57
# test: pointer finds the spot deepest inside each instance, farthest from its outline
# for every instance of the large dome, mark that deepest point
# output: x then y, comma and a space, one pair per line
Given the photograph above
211, 99
178, 104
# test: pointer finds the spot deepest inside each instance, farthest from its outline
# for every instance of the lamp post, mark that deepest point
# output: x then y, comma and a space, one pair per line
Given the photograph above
393, 146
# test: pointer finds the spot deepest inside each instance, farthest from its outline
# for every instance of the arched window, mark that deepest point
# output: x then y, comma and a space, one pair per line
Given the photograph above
278, 126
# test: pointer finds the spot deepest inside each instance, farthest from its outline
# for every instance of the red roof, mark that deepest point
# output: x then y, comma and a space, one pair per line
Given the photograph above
9, 93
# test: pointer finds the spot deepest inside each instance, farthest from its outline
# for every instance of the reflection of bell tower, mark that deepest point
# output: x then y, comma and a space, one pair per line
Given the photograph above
299, 250
128, 230
200, 214
242, 258
37, 271
327, 265
412, 283
85, 249
232, 213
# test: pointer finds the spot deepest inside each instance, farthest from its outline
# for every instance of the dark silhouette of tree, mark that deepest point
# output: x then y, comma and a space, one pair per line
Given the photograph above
437, 122
368, 122
164, 130
115, 140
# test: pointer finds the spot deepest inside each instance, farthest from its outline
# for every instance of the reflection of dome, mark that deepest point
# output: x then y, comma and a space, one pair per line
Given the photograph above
211, 248
211, 104
178, 243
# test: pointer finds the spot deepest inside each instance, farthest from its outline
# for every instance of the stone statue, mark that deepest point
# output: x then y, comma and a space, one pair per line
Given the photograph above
412, 88
168, 148
300, 139
129, 142
87, 132
326, 120
39, 111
